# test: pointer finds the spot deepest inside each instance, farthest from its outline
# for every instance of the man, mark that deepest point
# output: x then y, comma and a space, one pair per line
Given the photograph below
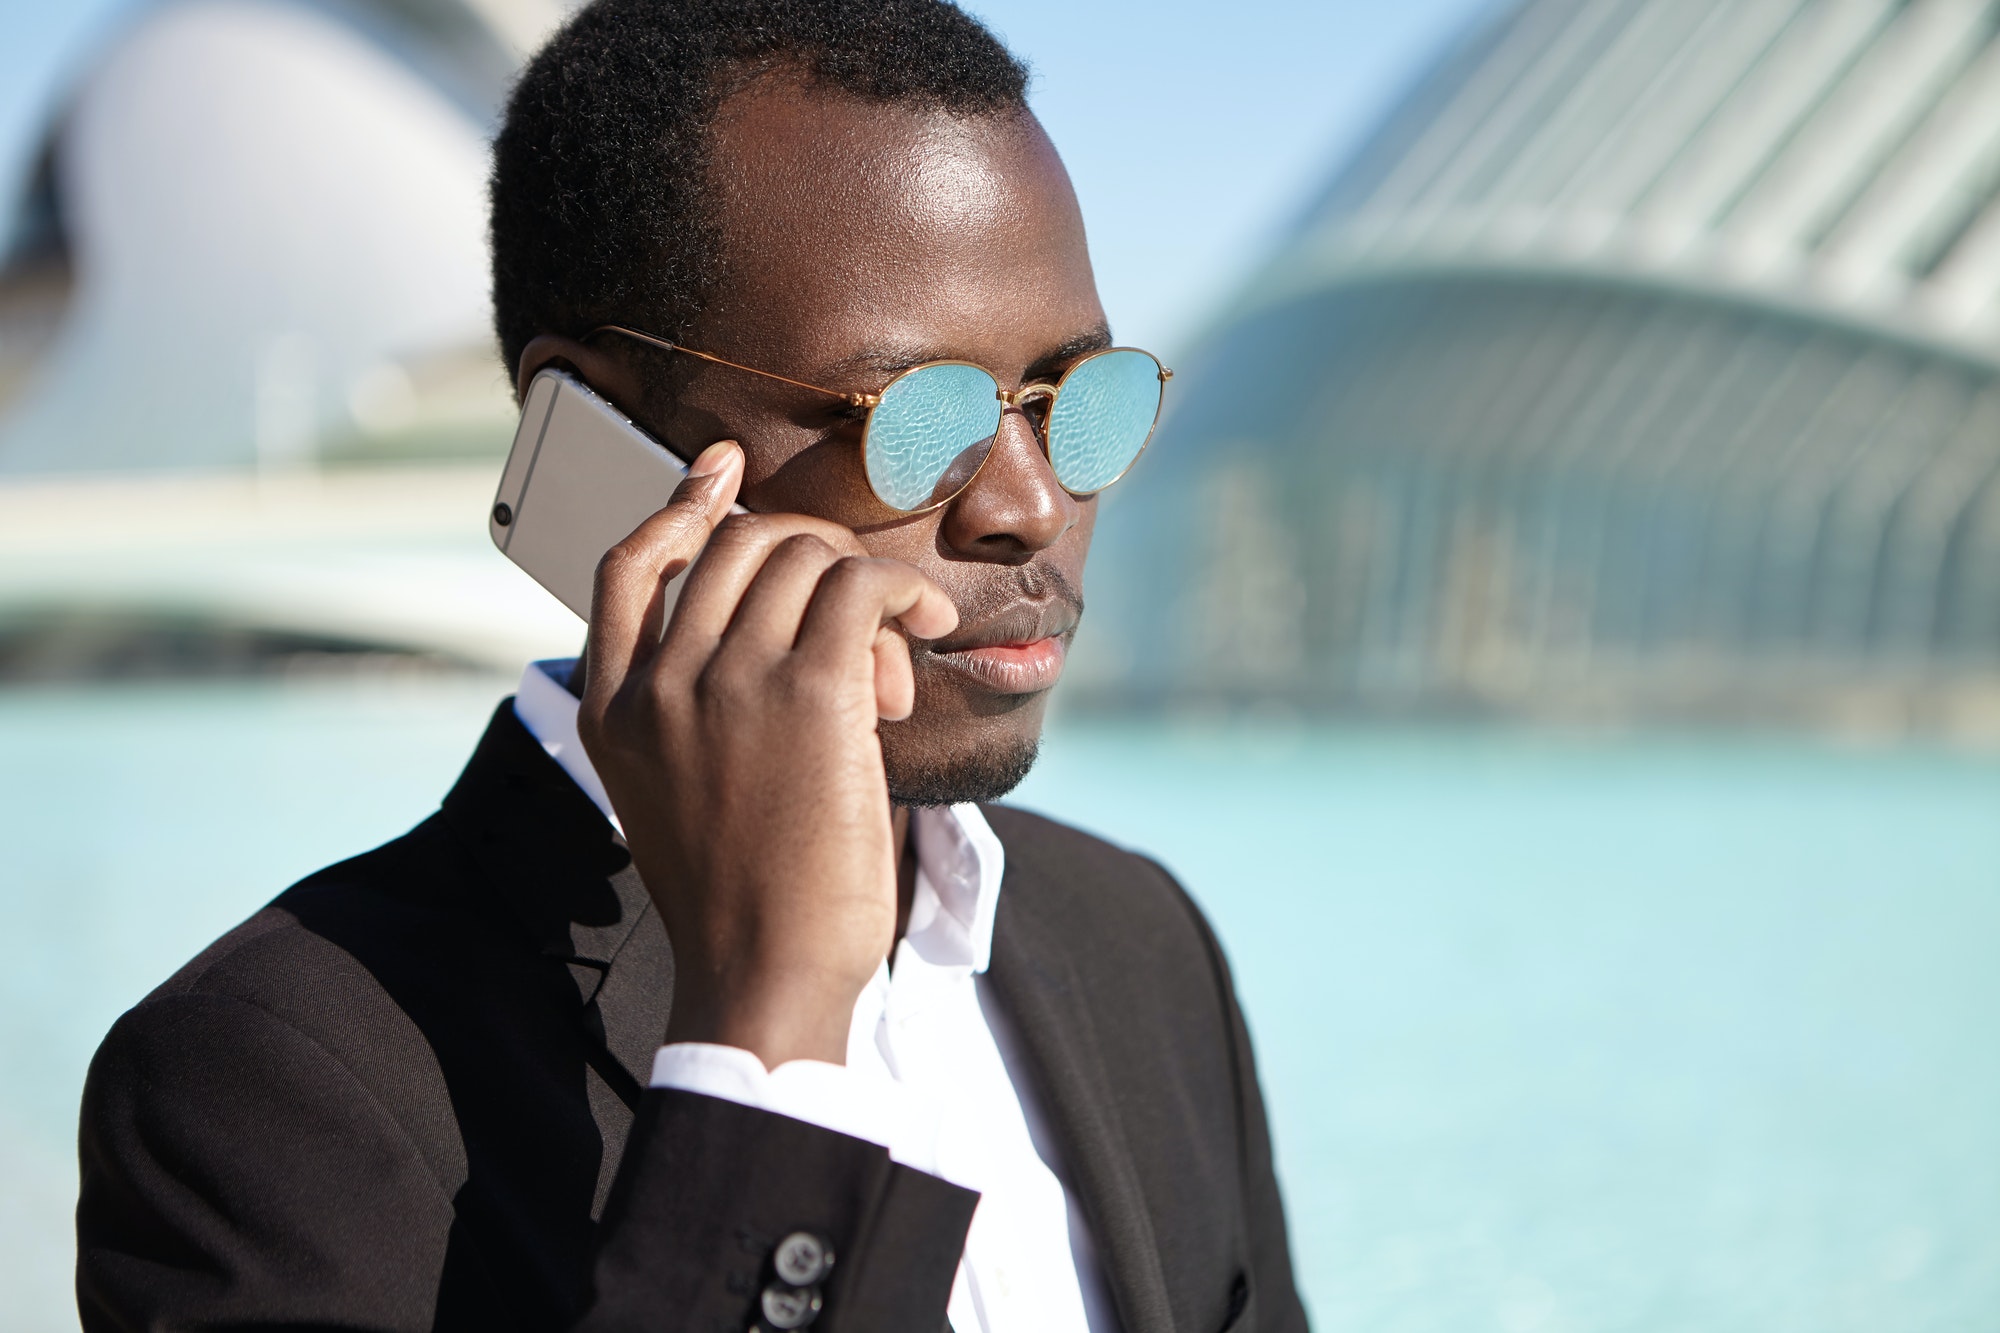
909, 1058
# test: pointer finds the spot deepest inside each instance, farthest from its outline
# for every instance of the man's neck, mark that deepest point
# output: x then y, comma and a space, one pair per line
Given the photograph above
906, 871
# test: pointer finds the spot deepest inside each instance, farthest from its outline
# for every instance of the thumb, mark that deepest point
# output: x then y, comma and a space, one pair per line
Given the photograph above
629, 605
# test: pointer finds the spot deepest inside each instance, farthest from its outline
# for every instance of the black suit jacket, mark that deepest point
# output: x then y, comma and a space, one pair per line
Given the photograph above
410, 1094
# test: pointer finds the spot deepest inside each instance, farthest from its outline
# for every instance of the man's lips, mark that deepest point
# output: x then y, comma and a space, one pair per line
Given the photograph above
1011, 668
1019, 651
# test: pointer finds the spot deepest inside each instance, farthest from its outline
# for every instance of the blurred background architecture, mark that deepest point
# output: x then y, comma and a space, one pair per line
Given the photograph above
1644, 364
248, 394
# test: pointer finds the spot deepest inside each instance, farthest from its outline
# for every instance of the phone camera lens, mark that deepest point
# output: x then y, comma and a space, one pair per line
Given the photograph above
503, 513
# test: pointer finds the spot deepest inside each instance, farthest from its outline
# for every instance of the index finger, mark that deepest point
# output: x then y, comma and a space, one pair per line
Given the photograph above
627, 602
860, 595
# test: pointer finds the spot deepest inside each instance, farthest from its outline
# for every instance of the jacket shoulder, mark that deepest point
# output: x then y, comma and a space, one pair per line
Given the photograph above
1120, 913
1047, 843
296, 941
317, 976
1093, 875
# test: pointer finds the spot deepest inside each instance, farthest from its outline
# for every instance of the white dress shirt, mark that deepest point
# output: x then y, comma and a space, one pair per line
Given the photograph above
929, 1072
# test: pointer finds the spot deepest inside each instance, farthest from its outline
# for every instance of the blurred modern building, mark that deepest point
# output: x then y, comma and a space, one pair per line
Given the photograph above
1645, 363
249, 403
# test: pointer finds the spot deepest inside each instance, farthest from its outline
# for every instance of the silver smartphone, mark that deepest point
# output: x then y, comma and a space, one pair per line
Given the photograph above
579, 479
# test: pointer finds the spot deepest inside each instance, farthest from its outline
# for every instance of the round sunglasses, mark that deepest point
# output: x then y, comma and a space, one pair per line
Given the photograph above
931, 428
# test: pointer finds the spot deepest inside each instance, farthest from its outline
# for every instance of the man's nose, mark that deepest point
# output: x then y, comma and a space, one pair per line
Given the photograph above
1014, 506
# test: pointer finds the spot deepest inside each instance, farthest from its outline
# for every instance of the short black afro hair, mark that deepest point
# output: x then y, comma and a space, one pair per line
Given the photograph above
600, 209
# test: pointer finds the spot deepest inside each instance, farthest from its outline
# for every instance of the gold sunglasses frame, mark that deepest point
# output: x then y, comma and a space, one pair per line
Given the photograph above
1007, 398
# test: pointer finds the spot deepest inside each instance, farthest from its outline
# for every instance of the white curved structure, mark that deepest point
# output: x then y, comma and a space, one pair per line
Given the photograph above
1833, 157
1645, 362
244, 333
274, 215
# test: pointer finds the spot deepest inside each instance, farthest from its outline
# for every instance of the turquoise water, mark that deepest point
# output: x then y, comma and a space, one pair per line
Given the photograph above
1648, 1034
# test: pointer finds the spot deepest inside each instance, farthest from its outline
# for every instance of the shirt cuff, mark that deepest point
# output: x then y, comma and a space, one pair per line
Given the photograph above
831, 1096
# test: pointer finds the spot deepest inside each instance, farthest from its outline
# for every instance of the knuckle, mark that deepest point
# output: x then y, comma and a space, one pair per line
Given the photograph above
841, 539
807, 547
742, 528
809, 683
724, 683
737, 535
665, 713
833, 535
851, 572
616, 563
644, 550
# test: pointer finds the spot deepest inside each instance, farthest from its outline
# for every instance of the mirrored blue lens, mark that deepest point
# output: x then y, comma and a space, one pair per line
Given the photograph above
929, 434
1102, 418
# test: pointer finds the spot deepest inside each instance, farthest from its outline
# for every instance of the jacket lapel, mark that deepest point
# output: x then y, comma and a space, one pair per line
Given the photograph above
565, 876
1034, 978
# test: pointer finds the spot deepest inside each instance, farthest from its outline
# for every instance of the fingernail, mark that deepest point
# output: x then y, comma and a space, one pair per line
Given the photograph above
712, 459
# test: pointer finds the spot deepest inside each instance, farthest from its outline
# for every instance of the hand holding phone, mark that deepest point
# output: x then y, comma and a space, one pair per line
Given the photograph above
580, 477
735, 731
740, 751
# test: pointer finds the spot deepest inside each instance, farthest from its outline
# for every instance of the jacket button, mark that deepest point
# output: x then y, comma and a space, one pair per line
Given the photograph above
789, 1307
803, 1259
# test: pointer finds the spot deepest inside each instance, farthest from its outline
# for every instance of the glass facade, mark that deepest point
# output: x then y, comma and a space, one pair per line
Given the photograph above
1647, 362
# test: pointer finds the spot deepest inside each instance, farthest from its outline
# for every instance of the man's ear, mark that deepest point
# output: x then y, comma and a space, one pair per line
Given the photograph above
613, 377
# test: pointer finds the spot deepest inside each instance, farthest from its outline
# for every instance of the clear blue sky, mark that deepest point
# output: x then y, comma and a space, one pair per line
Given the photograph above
1193, 131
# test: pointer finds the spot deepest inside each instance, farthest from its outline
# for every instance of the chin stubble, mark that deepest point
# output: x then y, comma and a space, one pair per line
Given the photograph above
977, 772
980, 775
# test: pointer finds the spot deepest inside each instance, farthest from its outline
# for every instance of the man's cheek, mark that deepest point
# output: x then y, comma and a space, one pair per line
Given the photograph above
935, 692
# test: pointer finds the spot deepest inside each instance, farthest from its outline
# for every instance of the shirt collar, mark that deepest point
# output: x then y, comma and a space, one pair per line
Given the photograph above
548, 710
959, 857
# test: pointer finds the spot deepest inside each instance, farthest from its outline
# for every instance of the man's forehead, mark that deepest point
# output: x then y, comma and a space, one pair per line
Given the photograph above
796, 164
864, 236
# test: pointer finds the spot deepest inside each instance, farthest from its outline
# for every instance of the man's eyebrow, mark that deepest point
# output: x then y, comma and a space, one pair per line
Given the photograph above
879, 362
887, 362
1057, 359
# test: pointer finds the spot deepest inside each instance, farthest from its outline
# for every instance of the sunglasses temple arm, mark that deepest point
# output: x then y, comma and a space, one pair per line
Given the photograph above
852, 399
